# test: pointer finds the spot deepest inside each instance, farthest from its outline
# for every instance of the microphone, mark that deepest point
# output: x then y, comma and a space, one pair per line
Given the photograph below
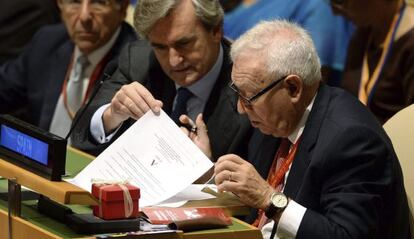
109, 70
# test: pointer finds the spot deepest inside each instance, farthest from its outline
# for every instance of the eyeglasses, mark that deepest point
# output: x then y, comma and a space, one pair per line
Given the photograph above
94, 5
249, 100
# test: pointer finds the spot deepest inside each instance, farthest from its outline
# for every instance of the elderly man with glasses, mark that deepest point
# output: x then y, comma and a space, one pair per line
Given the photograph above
59, 69
334, 173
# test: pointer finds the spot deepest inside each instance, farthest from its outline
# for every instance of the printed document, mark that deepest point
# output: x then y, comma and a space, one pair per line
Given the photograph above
154, 155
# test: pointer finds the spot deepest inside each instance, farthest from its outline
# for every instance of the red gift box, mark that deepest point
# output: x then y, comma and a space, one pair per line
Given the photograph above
112, 200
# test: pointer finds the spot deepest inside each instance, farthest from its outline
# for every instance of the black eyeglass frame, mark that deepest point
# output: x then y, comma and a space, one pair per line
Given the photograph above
250, 100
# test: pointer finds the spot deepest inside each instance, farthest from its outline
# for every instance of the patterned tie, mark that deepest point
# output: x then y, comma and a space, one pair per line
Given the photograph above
183, 95
75, 84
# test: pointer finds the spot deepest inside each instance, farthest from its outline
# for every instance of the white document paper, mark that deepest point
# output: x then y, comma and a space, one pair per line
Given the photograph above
192, 192
154, 155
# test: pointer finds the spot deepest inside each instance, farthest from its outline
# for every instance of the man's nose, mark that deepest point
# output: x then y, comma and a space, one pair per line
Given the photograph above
174, 57
85, 11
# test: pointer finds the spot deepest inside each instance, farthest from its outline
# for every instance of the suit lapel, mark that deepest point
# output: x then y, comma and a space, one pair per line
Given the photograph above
308, 141
59, 62
221, 85
160, 85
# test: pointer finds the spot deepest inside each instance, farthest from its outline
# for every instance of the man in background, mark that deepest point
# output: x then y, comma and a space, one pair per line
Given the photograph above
182, 67
60, 67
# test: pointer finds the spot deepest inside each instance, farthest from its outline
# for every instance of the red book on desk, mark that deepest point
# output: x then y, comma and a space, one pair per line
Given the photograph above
163, 215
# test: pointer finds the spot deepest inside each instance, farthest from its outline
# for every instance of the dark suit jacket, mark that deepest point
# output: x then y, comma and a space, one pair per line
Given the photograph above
345, 172
228, 131
34, 80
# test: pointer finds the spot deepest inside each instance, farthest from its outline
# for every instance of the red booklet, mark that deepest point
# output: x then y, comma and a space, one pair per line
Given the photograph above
164, 215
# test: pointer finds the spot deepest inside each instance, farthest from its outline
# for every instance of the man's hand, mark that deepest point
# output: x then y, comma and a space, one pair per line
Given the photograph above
132, 100
238, 176
199, 136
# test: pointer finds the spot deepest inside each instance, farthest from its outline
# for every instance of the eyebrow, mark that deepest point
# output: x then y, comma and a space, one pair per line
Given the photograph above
177, 42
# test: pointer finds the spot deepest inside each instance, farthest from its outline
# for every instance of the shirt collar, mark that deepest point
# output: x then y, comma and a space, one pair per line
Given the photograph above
203, 87
97, 55
295, 135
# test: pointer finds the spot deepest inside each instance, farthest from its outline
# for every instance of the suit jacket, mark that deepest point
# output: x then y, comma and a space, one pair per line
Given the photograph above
345, 172
34, 80
228, 131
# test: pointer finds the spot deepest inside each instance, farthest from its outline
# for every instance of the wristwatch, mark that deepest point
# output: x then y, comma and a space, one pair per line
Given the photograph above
278, 202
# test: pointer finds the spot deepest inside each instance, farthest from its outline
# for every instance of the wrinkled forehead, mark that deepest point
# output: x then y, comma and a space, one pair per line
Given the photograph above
249, 73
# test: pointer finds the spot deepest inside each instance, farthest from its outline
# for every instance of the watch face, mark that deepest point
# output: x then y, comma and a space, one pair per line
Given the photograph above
279, 200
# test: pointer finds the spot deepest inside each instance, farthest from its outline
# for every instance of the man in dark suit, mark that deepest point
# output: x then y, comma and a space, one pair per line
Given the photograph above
40, 79
335, 173
183, 53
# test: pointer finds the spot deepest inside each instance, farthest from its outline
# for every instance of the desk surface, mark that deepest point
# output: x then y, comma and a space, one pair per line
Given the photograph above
32, 224
35, 225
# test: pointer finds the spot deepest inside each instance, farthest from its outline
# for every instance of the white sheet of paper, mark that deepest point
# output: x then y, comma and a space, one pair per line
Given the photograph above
192, 192
154, 155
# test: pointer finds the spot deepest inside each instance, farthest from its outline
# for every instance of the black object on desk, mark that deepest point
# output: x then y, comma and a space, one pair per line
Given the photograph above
84, 223
32, 148
89, 224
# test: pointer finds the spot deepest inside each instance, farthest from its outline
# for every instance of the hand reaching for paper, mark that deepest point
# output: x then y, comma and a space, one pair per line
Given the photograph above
238, 176
131, 101
199, 136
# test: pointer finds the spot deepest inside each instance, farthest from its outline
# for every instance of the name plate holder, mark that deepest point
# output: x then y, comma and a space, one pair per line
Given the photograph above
32, 148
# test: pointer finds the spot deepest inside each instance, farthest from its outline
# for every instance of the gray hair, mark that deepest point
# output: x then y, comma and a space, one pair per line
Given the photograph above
148, 12
286, 47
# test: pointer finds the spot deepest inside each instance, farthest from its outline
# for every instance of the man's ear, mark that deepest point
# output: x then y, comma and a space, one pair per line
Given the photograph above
59, 4
294, 86
124, 7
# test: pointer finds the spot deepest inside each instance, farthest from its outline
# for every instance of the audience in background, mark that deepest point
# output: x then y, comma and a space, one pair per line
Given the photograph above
330, 33
379, 67
19, 20
61, 65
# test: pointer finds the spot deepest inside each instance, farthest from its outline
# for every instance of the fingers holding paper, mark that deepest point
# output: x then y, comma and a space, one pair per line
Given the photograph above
238, 176
197, 132
131, 101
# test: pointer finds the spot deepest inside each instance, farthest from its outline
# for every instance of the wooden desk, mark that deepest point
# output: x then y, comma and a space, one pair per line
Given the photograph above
62, 192
32, 224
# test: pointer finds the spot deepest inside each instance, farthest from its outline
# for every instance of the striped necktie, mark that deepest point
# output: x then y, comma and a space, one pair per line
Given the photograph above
75, 85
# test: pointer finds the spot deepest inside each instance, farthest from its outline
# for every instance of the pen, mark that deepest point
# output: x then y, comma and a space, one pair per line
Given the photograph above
189, 127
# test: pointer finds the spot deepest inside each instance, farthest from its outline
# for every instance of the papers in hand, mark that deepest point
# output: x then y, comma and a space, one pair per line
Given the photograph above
154, 155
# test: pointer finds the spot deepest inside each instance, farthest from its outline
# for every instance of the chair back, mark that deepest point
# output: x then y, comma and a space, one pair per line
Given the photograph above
400, 129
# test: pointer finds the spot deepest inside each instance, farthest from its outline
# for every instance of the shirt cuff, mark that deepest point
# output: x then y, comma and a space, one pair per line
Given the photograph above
290, 220
97, 127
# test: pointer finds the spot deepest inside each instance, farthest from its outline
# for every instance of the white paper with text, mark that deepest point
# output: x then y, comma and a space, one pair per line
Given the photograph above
154, 155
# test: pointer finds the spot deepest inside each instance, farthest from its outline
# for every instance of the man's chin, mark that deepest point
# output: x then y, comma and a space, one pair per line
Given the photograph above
86, 47
266, 132
262, 129
184, 79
